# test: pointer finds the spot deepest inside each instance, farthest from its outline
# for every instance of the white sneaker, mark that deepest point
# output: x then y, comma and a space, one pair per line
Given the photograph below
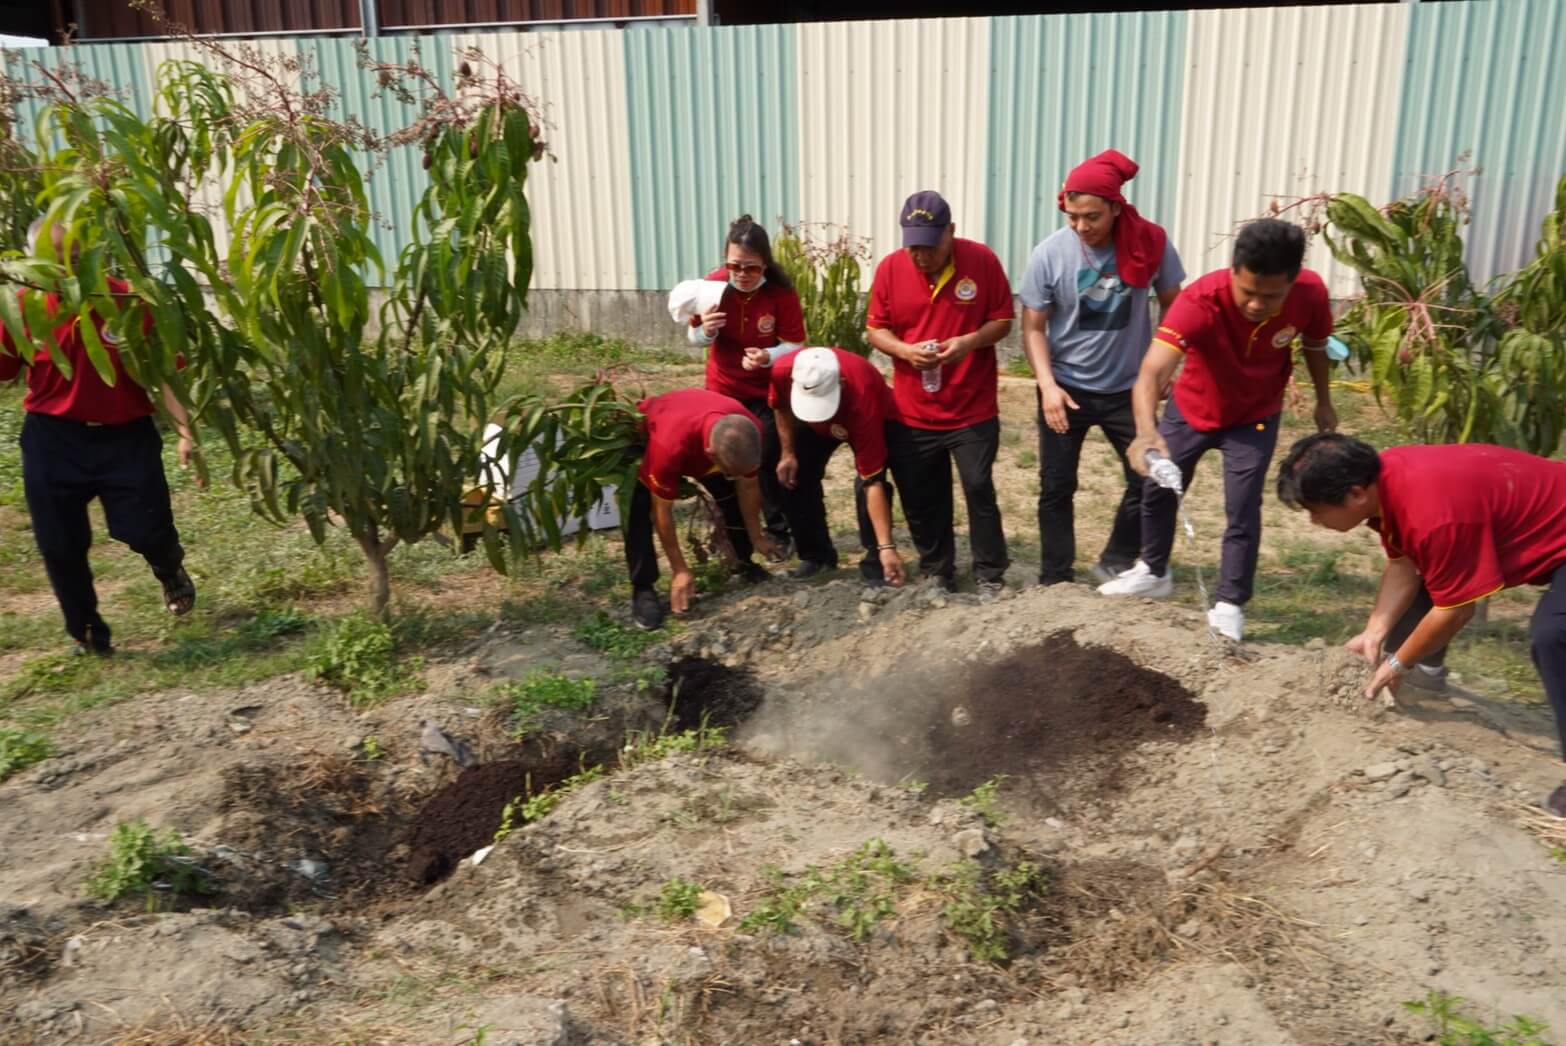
1227, 620
1139, 581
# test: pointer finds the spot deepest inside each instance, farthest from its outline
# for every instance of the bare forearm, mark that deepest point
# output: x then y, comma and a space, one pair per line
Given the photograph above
177, 411
784, 419
668, 535
749, 490
1035, 342
1435, 630
1316, 364
1399, 586
879, 507
987, 335
885, 341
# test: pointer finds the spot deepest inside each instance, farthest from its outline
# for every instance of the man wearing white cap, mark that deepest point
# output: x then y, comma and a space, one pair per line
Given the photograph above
824, 398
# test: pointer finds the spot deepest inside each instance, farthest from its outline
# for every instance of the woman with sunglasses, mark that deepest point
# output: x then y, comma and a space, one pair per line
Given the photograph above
759, 320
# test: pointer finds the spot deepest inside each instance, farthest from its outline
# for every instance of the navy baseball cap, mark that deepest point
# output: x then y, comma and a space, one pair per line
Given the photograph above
924, 219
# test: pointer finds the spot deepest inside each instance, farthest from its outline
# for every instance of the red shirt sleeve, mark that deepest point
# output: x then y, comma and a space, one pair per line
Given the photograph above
1000, 306
778, 381
879, 314
658, 475
1185, 324
791, 320
1319, 326
868, 435
1459, 563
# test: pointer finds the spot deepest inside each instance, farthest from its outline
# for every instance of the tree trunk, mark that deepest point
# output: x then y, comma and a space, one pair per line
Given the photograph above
375, 552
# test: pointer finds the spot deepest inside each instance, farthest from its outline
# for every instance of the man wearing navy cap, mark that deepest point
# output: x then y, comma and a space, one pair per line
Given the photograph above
937, 307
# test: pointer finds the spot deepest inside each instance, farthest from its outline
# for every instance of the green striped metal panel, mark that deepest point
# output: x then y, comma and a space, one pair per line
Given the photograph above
1064, 87
1487, 79
714, 134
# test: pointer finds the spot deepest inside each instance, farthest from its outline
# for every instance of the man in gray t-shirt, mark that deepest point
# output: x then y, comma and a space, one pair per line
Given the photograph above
1085, 329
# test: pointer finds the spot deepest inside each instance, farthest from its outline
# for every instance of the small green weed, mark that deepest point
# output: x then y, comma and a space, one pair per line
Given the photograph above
1454, 1028
982, 801
860, 891
359, 657
644, 746
977, 911
543, 689
543, 804
607, 636
372, 748
1018, 366
678, 900
1027, 459
140, 858
910, 783
508, 814
20, 749
1557, 852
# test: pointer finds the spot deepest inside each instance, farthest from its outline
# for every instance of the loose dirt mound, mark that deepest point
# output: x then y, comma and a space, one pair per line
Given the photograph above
1054, 705
464, 816
705, 692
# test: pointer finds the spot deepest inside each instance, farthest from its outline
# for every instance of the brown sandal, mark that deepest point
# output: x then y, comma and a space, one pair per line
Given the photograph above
179, 592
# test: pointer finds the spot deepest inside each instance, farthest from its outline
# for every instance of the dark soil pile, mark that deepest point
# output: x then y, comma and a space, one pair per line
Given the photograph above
706, 691
463, 816
1057, 706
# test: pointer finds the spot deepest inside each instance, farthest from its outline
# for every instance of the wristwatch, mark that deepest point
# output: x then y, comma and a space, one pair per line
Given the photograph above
1397, 666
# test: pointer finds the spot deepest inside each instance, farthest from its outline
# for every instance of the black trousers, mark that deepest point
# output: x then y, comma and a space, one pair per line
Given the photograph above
773, 519
641, 556
922, 466
1059, 456
65, 464
1247, 451
805, 505
1547, 632
1406, 624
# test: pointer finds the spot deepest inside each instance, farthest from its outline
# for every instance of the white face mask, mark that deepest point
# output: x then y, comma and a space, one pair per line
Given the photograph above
759, 284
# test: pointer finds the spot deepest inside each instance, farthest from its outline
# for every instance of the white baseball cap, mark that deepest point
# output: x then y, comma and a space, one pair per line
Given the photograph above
817, 385
694, 297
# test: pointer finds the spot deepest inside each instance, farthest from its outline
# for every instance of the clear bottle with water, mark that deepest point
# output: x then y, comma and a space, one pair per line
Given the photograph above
1163, 471
931, 379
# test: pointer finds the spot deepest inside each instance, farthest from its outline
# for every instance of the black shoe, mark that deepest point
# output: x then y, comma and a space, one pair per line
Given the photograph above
752, 573
945, 584
1048, 581
809, 568
646, 610
95, 642
785, 549
875, 582
1556, 803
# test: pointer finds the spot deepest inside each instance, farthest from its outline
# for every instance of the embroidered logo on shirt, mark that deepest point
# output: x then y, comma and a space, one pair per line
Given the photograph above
1284, 337
766, 325
966, 289
839, 432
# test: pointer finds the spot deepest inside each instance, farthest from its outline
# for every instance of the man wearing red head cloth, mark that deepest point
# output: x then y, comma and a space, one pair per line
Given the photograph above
1086, 327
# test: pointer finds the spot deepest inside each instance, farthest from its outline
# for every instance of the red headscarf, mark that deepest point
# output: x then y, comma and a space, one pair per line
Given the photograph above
1139, 243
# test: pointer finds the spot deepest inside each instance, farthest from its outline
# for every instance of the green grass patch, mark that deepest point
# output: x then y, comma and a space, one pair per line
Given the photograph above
20, 749
545, 689
1453, 1027
142, 860
358, 656
855, 894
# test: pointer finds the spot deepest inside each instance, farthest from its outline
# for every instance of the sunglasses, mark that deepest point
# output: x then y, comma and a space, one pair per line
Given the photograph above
743, 268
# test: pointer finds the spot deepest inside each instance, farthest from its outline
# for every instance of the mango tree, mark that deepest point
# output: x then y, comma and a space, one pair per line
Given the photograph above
335, 412
1456, 361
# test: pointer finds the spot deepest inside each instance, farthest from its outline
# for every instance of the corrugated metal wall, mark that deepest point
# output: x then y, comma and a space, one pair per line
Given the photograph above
1284, 101
887, 109
1065, 87
1489, 80
713, 133
661, 135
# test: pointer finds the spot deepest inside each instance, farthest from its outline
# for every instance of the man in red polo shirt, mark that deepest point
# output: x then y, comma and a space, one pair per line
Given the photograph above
1462, 521
711, 439
1235, 329
937, 307
84, 439
824, 398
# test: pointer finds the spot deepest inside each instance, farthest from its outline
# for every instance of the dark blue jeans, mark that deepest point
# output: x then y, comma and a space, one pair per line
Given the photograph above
1547, 631
1247, 451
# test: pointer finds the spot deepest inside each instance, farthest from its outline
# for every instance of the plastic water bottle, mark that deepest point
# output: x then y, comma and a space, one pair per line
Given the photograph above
931, 379
1163, 471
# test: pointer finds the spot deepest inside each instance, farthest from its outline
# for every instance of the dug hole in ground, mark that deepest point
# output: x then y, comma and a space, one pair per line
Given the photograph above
1187, 842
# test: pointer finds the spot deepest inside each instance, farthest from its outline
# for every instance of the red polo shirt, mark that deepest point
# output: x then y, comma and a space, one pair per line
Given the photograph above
762, 319
677, 427
84, 396
1235, 370
864, 406
972, 291
1474, 518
